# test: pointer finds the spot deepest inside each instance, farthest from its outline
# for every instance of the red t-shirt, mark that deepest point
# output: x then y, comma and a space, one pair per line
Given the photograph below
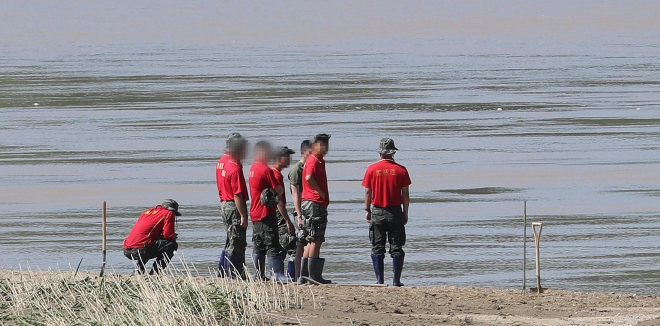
280, 182
155, 223
230, 179
385, 178
261, 177
316, 168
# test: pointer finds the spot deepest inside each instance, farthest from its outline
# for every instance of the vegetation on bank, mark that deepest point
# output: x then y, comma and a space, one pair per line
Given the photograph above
177, 298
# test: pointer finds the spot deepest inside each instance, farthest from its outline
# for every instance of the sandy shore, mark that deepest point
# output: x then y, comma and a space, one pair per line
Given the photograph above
443, 305
435, 305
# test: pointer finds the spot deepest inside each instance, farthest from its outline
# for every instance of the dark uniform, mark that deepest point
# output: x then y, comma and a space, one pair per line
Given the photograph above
386, 179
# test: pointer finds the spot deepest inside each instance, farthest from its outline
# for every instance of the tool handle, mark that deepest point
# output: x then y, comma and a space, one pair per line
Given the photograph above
537, 234
104, 227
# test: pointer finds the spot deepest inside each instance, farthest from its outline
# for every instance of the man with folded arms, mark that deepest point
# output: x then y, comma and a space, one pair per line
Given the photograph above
386, 201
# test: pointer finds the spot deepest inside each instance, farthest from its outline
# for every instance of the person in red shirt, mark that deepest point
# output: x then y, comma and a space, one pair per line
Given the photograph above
285, 227
266, 193
386, 200
315, 208
153, 236
233, 205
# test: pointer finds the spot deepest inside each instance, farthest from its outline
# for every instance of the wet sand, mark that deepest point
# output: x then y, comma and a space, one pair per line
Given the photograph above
444, 305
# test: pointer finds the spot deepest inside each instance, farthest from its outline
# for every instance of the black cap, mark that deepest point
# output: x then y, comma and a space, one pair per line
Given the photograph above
283, 151
171, 205
321, 138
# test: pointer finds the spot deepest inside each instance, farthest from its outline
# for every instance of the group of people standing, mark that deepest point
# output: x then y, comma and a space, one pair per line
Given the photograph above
275, 232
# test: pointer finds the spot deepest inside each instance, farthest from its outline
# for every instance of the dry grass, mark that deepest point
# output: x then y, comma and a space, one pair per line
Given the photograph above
180, 297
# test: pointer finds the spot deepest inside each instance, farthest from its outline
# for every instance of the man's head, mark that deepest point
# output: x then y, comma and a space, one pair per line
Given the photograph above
321, 144
387, 148
236, 145
171, 205
262, 151
283, 157
305, 149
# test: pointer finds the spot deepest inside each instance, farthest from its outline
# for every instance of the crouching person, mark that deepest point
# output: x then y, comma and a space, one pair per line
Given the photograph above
153, 236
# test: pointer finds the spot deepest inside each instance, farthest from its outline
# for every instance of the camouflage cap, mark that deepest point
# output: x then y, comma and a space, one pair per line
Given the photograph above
283, 151
269, 197
235, 141
171, 205
321, 138
387, 146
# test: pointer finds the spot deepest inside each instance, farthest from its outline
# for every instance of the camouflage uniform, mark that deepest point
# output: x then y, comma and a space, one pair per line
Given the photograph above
236, 242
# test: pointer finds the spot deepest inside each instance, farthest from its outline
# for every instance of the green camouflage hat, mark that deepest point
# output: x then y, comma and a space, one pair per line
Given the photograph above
387, 146
269, 197
171, 205
235, 141
321, 138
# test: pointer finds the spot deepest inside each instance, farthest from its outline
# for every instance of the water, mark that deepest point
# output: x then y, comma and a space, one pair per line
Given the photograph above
132, 111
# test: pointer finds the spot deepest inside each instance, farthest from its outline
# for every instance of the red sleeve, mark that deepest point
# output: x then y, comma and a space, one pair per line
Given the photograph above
366, 181
235, 182
406, 179
311, 170
270, 178
168, 226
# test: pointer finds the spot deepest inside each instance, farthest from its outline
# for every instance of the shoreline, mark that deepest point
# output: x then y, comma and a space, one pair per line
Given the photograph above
348, 304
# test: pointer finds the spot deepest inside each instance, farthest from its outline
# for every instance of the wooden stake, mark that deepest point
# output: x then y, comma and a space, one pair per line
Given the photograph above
103, 245
525, 247
537, 240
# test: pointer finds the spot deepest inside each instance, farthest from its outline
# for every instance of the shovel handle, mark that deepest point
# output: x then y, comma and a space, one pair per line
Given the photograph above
104, 227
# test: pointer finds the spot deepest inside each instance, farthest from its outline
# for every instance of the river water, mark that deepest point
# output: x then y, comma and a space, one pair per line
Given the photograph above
131, 104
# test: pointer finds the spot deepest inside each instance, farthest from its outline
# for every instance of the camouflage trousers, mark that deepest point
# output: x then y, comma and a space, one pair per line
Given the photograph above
288, 241
387, 225
236, 242
315, 220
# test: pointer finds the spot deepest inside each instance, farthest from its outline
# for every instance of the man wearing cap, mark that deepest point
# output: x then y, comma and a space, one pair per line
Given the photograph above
263, 213
315, 208
386, 201
233, 197
286, 229
153, 236
296, 181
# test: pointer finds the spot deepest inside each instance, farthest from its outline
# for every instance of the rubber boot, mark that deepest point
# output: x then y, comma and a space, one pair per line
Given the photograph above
235, 265
379, 268
222, 265
397, 264
276, 267
291, 270
304, 270
316, 270
259, 262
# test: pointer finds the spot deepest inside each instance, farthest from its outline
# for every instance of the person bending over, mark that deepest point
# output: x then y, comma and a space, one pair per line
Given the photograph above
153, 236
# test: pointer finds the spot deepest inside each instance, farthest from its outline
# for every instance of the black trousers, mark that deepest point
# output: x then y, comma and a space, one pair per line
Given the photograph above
387, 226
266, 238
162, 250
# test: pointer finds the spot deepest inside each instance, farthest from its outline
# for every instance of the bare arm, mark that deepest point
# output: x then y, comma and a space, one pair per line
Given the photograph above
367, 202
295, 193
315, 186
242, 209
405, 194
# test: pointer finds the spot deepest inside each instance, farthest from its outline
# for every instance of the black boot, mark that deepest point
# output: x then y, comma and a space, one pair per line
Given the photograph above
397, 264
259, 262
222, 265
304, 271
316, 270
276, 266
379, 268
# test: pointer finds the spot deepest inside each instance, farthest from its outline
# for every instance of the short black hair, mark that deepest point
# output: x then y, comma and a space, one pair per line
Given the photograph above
305, 145
262, 144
